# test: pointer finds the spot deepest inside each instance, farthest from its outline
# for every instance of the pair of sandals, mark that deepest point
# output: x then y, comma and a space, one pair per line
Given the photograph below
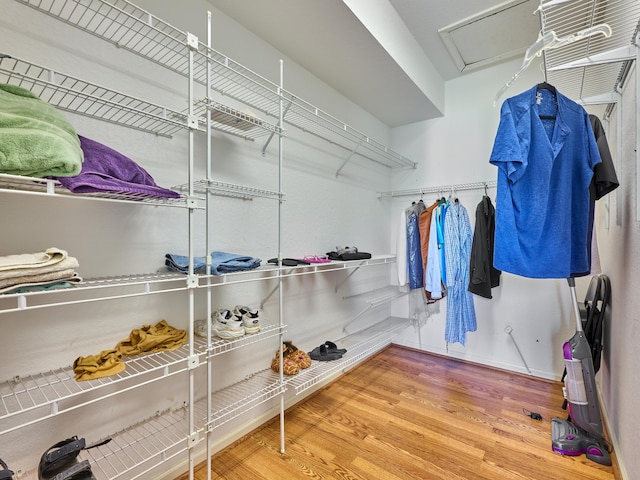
326, 352
60, 461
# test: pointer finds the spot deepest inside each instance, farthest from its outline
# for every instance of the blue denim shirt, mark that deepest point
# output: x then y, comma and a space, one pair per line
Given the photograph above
544, 171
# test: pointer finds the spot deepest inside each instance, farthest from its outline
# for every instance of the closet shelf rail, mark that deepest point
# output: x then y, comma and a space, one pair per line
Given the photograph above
442, 189
78, 96
46, 394
131, 28
223, 189
49, 186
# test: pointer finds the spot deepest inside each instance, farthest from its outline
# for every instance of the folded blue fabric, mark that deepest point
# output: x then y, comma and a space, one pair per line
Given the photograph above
221, 263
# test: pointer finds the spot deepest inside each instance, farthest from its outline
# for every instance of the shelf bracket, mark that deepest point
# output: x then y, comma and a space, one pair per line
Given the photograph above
193, 440
266, 144
192, 281
193, 362
344, 280
274, 290
353, 152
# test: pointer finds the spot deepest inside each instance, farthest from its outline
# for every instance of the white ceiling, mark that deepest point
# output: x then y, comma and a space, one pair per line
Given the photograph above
337, 41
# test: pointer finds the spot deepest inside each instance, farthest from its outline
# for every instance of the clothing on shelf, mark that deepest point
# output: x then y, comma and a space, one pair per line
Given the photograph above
106, 170
40, 268
348, 253
152, 338
483, 275
221, 263
105, 364
458, 235
546, 153
35, 139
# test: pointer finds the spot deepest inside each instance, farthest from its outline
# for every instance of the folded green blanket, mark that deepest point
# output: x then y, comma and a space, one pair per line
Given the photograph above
35, 139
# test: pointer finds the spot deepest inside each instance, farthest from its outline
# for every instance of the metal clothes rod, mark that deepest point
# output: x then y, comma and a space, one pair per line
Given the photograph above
439, 189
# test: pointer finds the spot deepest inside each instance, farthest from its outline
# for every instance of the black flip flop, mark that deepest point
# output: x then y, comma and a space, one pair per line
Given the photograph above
333, 348
323, 355
5, 473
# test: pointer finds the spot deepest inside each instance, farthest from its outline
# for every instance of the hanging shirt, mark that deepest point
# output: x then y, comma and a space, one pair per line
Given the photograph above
483, 275
604, 181
544, 171
432, 277
424, 225
401, 251
414, 256
461, 314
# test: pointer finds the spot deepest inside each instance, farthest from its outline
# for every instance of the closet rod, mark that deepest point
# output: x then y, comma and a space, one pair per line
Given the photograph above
439, 189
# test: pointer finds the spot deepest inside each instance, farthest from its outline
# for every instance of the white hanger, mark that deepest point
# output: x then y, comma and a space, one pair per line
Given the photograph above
550, 3
550, 41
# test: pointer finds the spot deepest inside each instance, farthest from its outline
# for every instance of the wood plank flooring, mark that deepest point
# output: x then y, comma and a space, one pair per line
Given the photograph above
405, 415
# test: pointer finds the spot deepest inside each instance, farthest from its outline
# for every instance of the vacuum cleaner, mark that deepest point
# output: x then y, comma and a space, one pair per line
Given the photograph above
582, 433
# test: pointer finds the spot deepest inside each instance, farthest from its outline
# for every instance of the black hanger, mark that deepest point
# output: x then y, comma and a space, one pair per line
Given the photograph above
552, 89
546, 86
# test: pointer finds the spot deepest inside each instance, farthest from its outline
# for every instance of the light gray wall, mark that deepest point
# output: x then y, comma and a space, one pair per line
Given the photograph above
455, 149
320, 212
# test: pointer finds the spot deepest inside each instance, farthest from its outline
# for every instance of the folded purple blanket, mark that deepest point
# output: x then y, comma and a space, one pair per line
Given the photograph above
106, 170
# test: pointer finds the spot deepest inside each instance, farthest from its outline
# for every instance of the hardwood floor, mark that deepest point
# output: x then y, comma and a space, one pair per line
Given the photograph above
405, 415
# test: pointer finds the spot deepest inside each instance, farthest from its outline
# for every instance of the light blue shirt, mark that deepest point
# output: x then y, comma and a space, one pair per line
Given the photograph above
544, 171
458, 236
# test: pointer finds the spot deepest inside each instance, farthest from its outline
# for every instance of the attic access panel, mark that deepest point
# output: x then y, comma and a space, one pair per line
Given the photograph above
492, 36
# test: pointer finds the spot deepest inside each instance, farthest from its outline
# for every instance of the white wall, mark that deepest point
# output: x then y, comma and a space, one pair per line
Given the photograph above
320, 213
455, 149
620, 257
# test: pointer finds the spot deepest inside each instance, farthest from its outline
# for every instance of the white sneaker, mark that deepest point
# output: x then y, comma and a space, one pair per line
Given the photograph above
250, 318
227, 324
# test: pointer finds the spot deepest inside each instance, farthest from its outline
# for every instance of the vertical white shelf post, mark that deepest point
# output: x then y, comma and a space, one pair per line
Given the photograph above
280, 284
208, 249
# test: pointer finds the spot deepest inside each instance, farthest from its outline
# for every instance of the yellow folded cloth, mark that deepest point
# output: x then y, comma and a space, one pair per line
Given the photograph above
152, 338
108, 362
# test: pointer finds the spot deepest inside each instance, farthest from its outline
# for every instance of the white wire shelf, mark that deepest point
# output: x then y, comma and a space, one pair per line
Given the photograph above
222, 189
140, 449
131, 28
47, 186
78, 96
31, 399
359, 346
110, 288
268, 271
237, 399
235, 122
91, 290
268, 329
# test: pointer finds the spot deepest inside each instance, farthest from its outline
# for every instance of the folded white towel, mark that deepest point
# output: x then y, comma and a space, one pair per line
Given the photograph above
69, 263
32, 260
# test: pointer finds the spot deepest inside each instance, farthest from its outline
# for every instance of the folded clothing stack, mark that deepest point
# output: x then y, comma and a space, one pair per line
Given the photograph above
107, 170
49, 269
221, 263
35, 139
